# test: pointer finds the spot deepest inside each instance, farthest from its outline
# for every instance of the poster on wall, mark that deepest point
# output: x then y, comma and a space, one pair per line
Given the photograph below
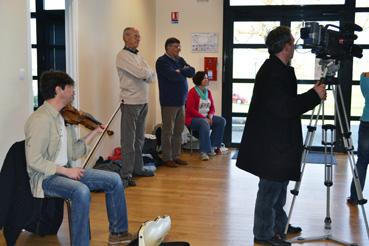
204, 42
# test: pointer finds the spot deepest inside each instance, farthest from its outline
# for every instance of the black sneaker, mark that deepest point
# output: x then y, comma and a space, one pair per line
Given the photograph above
293, 229
128, 182
145, 173
272, 242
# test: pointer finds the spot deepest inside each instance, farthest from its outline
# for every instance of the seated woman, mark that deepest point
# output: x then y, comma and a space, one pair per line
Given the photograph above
200, 117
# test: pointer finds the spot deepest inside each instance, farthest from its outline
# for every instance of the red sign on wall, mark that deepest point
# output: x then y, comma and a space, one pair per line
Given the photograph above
174, 16
210, 67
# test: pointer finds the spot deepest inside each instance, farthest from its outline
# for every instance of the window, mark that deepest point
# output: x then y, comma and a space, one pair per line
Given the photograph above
362, 3
247, 68
252, 32
362, 19
357, 101
360, 65
54, 4
47, 40
241, 97
32, 6
285, 2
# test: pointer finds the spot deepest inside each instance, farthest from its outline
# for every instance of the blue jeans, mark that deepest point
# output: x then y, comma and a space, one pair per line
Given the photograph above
79, 194
207, 140
362, 157
270, 218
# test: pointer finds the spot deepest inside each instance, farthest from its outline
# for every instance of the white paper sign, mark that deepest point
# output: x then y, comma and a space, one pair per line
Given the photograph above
205, 42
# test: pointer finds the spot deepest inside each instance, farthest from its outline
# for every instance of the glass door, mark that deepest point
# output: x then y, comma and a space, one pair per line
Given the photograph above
245, 28
249, 53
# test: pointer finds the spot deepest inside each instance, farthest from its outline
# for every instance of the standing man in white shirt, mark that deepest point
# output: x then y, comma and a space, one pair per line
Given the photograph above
135, 75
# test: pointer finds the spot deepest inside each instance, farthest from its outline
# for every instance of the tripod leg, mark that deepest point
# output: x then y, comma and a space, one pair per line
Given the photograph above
328, 180
307, 144
328, 183
346, 135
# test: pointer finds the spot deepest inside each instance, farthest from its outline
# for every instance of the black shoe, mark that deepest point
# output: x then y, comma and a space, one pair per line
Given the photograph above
293, 229
273, 242
145, 173
181, 162
128, 182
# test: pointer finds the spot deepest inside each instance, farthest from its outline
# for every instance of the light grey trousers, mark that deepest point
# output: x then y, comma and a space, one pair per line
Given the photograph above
132, 138
171, 136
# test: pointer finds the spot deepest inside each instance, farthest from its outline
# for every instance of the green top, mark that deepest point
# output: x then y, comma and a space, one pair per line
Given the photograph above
364, 86
203, 94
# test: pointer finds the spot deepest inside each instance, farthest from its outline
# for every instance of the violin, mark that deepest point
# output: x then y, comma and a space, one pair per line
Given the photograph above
74, 116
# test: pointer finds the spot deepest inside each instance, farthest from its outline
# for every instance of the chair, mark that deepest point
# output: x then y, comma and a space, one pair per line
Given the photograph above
69, 211
193, 133
68, 202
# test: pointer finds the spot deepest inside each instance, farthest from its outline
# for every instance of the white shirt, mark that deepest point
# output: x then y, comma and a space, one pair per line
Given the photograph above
62, 157
204, 106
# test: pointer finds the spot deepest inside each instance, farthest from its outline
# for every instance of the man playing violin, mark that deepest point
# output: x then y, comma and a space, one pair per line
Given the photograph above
51, 151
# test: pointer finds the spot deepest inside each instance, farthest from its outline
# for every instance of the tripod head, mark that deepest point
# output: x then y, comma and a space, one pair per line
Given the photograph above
329, 69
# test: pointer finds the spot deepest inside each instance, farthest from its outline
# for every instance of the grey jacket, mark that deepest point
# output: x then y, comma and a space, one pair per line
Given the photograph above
43, 144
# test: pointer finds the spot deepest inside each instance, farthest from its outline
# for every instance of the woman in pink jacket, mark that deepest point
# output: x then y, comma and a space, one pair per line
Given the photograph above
200, 117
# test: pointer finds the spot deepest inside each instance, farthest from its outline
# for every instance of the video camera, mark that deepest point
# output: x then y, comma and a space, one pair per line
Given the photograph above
330, 44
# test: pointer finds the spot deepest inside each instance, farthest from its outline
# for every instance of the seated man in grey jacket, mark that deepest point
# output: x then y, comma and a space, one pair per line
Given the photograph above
51, 148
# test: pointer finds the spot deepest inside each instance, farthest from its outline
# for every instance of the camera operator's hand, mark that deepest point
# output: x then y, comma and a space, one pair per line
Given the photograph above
320, 90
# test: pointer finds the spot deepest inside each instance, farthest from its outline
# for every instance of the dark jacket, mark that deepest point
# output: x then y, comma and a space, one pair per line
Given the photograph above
17, 206
173, 87
271, 144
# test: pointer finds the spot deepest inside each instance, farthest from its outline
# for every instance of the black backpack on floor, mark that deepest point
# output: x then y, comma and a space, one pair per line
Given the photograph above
150, 147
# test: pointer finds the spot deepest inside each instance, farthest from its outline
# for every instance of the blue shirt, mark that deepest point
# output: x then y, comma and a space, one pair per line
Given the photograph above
364, 86
173, 87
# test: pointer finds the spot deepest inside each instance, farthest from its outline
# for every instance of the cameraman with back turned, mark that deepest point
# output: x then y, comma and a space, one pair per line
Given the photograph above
272, 143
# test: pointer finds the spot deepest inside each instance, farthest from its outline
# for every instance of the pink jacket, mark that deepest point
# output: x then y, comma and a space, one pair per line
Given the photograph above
192, 106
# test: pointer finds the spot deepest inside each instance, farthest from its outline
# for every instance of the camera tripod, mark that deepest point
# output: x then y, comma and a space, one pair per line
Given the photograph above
330, 67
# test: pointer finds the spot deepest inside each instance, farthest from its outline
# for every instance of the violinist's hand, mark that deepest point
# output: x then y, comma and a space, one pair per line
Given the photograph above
75, 173
88, 138
100, 128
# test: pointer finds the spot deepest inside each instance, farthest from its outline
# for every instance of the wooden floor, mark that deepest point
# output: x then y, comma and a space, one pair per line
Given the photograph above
212, 203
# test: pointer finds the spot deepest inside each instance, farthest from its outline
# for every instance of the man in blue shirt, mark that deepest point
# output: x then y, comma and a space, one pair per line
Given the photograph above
172, 71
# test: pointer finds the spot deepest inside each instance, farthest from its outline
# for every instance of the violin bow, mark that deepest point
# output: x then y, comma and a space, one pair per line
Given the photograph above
98, 141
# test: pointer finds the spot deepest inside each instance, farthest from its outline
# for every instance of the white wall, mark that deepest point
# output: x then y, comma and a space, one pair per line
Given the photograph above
100, 28
15, 94
99, 37
194, 16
